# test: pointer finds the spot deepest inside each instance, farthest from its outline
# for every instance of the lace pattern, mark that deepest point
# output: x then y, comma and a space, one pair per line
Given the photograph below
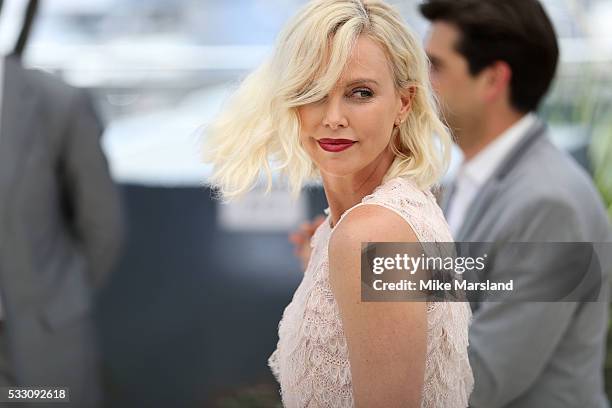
311, 359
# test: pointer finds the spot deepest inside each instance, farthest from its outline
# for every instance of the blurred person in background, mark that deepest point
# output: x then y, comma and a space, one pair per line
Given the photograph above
60, 234
346, 98
491, 64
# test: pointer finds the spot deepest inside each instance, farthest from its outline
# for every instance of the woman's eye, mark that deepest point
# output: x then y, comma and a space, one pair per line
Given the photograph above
363, 93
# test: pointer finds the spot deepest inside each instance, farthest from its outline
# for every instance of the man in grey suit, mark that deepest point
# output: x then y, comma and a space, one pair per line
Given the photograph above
492, 62
60, 234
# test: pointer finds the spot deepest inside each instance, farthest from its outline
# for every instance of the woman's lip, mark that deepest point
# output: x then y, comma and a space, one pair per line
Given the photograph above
336, 141
335, 145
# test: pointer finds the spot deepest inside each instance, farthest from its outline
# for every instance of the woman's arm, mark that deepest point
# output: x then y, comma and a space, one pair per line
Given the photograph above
386, 340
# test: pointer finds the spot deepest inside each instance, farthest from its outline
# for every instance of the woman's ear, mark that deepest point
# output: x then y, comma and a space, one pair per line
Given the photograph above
406, 97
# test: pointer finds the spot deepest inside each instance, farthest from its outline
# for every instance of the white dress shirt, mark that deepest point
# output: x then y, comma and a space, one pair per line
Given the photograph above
474, 173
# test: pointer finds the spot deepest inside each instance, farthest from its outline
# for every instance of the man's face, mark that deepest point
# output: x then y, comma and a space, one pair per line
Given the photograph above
457, 90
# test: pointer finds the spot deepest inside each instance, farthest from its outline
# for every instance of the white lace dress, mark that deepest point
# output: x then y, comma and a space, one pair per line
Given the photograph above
311, 359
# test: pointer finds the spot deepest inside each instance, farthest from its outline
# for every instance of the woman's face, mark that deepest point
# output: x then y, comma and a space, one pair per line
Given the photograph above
349, 131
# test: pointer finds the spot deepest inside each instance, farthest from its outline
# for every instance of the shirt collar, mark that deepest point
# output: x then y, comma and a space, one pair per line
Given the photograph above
482, 166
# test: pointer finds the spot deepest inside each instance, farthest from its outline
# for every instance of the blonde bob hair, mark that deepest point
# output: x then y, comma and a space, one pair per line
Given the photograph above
258, 131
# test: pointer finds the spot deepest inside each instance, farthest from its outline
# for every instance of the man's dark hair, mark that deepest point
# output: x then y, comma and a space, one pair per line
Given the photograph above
517, 32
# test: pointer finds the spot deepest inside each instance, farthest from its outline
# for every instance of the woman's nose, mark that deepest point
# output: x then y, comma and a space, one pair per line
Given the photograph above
334, 116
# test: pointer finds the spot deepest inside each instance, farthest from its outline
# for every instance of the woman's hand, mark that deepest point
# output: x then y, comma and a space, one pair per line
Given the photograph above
301, 239
387, 341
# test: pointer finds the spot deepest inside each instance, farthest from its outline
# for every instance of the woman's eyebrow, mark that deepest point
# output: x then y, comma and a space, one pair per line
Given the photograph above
361, 81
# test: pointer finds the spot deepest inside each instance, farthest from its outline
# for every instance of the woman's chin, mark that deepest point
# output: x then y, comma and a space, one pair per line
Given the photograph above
337, 171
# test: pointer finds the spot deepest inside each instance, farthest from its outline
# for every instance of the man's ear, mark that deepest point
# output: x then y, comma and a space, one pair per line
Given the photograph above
497, 78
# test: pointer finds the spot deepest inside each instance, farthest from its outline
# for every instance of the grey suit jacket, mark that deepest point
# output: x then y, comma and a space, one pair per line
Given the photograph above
60, 234
537, 354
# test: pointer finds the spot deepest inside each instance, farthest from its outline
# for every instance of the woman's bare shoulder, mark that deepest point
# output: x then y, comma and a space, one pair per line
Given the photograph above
374, 223
371, 223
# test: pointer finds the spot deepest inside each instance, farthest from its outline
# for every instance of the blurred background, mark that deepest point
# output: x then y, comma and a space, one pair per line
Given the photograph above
190, 315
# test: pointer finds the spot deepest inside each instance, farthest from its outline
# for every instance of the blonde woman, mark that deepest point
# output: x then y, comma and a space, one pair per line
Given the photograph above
345, 98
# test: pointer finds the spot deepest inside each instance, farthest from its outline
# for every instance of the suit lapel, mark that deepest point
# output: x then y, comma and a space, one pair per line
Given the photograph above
478, 206
492, 187
19, 103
